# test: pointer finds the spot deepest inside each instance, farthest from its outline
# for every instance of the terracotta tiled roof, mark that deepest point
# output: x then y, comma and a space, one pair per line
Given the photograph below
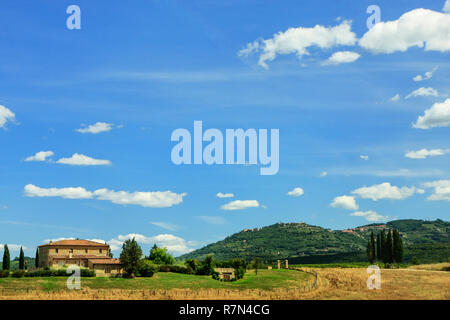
104, 261
81, 243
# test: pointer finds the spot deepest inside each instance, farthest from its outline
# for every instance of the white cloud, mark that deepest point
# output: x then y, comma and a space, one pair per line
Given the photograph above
323, 174
298, 40
83, 160
395, 98
175, 245
96, 128
421, 28
437, 116
155, 199
427, 76
165, 225
240, 205
40, 156
66, 193
342, 57
5, 116
424, 153
441, 190
296, 192
13, 247
224, 195
212, 219
384, 191
370, 215
364, 157
423, 92
346, 202
446, 7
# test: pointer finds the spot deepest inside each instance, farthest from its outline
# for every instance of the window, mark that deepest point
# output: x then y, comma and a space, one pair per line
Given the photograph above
107, 269
56, 250
100, 250
71, 250
85, 250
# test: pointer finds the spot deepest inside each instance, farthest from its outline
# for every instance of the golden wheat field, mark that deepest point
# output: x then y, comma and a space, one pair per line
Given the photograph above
332, 283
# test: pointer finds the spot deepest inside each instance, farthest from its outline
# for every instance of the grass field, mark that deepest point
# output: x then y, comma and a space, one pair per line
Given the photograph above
333, 283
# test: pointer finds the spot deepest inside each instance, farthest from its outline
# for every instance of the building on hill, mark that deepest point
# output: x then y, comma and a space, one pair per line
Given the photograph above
83, 253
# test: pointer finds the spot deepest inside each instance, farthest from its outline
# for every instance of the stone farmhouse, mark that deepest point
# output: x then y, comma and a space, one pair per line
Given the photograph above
83, 253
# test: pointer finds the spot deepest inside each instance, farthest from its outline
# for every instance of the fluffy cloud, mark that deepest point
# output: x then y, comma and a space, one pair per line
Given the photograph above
66, 193
370, 215
441, 190
384, 191
175, 245
323, 174
240, 205
96, 128
5, 116
155, 199
296, 192
342, 57
82, 160
346, 202
364, 157
424, 153
40, 156
437, 116
298, 40
421, 28
446, 7
423, 92
13, 247
224, 195
427, 76
395, 98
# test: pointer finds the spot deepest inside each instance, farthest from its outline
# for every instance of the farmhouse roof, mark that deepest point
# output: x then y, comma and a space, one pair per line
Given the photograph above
73, 243
105, 261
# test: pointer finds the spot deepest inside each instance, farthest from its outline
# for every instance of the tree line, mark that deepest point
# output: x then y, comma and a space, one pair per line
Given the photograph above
387, 248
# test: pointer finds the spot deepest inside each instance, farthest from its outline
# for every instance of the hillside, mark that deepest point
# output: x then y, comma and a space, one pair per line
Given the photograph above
305, 243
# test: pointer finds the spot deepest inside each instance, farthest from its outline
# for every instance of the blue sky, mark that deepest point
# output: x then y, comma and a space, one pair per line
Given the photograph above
138, 72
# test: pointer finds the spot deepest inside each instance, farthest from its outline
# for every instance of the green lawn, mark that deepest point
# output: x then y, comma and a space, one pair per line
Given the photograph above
265, 280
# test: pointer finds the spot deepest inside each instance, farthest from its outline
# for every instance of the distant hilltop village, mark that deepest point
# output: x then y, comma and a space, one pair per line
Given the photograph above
82, 253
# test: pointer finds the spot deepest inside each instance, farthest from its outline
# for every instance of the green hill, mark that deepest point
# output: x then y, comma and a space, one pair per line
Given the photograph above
303, 243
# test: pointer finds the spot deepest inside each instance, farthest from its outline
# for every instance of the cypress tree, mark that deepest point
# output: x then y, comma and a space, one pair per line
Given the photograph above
379, 247
36, 261
389, 248
6, 258
397, 247
383, 255
21, 259
372, 245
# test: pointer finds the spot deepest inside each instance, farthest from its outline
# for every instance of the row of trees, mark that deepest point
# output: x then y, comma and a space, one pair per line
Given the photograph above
388, 248
6, 264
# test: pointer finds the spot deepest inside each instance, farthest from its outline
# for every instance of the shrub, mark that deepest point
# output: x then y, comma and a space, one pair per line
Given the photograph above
175, 269
239, 273
147, 268
18, 274
58, 273
4, 273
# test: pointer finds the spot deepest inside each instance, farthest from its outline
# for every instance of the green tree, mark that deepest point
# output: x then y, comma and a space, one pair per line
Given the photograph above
206, 266
379, 247
21, 259
160, 256
383, 255
6, 258
397, 247
130, 257
389, 248
371, 249
193, 264
256, 264
36, 260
